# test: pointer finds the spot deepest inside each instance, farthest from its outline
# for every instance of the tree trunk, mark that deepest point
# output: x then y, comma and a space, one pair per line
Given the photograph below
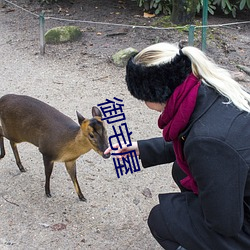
183, 11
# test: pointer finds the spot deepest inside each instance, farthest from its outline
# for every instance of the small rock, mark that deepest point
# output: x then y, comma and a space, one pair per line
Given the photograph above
9, 243
147, 193
44, 225
63, 34
239, 76
121, 58
58, 227
136, 201
244, 68
2, 3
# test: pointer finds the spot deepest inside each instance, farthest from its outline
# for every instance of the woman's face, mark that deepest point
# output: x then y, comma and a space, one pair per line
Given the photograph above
156, 106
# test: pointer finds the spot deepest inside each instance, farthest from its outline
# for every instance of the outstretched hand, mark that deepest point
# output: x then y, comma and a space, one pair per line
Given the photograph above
123, 149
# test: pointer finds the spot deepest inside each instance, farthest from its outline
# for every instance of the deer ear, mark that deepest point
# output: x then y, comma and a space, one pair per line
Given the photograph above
80, 118
96, 112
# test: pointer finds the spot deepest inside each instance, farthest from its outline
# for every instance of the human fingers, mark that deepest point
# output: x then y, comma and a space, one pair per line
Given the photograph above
117, 148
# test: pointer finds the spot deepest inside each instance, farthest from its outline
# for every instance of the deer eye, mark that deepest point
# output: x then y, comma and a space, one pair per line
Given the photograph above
91, 136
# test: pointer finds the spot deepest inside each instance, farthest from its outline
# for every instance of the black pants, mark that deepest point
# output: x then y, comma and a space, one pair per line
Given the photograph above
156, 222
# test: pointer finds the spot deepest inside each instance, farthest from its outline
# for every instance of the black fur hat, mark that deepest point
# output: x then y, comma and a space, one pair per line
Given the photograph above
156, 83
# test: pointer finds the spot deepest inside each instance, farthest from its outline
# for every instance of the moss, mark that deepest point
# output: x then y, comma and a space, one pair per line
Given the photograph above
63, 34
163, 22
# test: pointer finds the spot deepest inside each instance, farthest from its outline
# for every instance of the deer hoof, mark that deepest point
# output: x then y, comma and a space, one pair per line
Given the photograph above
48, 195
82, 198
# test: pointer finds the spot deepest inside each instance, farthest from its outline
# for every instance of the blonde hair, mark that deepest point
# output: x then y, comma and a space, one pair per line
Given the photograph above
202, 67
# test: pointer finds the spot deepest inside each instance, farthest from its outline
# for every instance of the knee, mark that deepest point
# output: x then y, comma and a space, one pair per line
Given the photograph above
153, 218
159, 229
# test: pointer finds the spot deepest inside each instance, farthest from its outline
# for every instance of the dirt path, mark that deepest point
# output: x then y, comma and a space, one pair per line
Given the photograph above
76, 77
115, 214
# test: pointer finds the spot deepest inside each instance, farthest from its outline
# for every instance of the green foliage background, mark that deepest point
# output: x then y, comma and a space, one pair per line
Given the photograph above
227, 6
165, 6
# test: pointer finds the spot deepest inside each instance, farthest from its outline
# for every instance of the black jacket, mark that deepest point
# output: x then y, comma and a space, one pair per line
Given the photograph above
216, 145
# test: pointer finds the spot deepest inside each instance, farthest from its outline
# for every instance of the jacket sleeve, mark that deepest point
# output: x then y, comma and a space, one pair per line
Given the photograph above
155, 151
220, 173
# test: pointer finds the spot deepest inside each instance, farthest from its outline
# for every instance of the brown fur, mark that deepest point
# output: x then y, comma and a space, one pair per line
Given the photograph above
59, 138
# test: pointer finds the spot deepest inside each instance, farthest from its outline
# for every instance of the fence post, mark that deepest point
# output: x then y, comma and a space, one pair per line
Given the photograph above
204, 24
42, 31
191, 35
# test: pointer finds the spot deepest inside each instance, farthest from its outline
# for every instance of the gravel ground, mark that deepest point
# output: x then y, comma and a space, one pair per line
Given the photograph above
77, 76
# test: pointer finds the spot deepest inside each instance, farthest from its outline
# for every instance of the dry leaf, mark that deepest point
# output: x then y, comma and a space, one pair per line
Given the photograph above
58, 227
147, 15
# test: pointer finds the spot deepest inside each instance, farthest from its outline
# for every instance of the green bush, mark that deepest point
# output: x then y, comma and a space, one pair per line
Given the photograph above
211, 7
232, 6
165, 6
156, 6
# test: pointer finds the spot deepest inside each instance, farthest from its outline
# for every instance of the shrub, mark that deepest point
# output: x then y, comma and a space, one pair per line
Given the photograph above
157, 6
165, 6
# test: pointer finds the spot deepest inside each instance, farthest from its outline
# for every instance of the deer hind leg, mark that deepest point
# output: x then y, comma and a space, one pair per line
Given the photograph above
1, 144
71, 168
18, 161
48, 165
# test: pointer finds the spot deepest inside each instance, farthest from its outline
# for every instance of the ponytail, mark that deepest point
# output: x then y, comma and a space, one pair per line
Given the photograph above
218, 78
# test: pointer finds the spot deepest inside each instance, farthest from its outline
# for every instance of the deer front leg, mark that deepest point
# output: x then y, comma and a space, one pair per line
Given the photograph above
48, 165
1, 144
18, 161
2, 147
71, 168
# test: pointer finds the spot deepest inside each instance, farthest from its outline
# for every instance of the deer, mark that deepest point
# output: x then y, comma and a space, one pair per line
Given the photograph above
58, 138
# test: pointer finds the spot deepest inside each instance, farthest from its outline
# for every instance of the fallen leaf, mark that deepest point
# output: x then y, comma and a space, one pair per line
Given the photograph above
58, 227
147, 15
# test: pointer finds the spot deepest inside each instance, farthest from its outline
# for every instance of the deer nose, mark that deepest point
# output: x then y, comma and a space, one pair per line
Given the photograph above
106, 156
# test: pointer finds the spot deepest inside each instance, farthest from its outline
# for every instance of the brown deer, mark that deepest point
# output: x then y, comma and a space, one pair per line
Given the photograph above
59, 138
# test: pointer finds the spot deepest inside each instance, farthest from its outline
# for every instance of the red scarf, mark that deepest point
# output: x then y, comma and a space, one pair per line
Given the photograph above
174, 119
